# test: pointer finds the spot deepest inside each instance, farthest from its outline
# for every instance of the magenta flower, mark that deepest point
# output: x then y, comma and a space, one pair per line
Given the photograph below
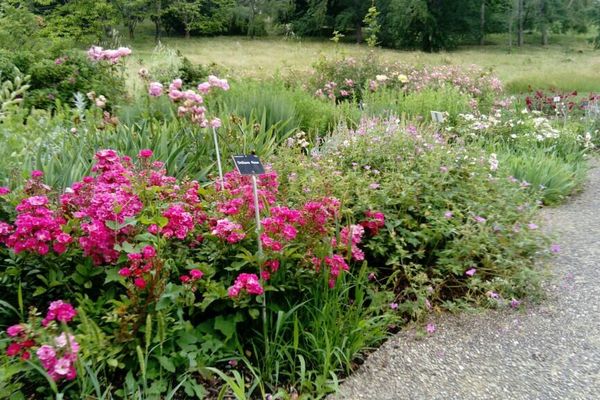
60, 311
245, 282
37, 174
394, 306
555, 248
215, 123
145, 153
480, 220
374, 186
448, 214
4, 190
15, 330
471, 272
196, 274
155, 89
493, 295
514, 303
430, 328
148, 252
140, 283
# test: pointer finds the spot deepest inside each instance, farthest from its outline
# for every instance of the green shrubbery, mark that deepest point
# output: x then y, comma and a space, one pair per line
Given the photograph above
56, 70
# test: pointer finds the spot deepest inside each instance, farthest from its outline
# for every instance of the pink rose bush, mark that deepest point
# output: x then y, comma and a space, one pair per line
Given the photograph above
103, 215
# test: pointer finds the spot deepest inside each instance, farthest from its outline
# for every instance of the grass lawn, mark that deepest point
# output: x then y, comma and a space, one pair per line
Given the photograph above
569, 63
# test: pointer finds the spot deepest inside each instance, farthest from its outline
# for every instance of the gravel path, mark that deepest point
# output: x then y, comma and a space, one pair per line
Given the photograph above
548, 351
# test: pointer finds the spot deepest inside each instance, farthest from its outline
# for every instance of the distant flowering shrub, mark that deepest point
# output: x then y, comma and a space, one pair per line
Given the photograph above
348, 78
190, 103
97, 53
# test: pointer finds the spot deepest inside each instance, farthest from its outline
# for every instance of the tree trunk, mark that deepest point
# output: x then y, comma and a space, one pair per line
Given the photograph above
544, 23
157, 27
359, 32
482, 24
251, 26
131, 29
510, 29
520, 34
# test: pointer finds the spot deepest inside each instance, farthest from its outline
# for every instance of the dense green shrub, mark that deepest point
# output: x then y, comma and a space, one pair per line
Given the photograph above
447, 211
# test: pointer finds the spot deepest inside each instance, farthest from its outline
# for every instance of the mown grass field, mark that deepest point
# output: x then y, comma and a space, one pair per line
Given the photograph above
569, 63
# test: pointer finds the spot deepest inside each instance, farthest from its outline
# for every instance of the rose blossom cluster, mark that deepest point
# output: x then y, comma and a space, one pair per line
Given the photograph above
336, 265
192, 276
281, 225
58, 358
245, 282
97, 53
350, 237
269, 267
318, 214
36, 228
140, 264
191, 102
229, 231
374, 222
21, 342
59, 311
239, 193
107, 197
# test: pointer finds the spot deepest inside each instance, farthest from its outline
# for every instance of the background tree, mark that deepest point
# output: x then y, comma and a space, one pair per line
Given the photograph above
132, 12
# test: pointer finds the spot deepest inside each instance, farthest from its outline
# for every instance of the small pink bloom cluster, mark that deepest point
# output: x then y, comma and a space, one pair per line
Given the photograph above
375, 221
155, 89
332, 90
36, 228
21, 342
180, 222
281, 225
319, 214
191, 101
213, 82
336, 264
140, 264
59, 360
59, 311
350, 237
97, 53
108, 197
245, 282
240, 196
227, 230
269, 267
192, 276
4, 190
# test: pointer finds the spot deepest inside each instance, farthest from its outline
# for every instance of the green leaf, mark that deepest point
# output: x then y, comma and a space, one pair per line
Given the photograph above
225, 325
166, 363
112, 362
112, 275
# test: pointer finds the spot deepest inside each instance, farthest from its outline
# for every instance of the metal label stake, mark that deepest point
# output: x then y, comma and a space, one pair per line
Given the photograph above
218, 150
